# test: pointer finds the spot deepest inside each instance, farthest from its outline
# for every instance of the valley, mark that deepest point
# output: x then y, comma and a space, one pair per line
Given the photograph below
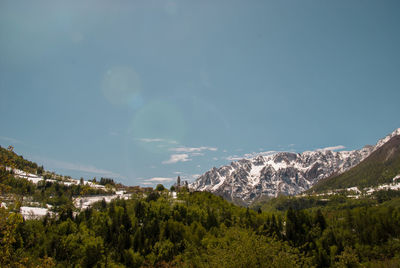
302, 218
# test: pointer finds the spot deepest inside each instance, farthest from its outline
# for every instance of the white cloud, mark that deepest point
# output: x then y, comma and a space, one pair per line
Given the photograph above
193, 149
147, 140
183, 154
234, 158
159, 179
157, 140
332, 148
175, 158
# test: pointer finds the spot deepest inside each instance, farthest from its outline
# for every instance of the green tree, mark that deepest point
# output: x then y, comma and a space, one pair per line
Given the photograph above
8, 236
160, 187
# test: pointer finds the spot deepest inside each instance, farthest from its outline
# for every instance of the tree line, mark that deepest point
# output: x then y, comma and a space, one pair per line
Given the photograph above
203, 230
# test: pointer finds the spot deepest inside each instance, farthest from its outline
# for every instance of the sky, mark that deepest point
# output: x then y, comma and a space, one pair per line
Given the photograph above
144, 91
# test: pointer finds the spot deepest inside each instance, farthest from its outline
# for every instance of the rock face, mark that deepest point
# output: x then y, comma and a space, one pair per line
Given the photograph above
286, 173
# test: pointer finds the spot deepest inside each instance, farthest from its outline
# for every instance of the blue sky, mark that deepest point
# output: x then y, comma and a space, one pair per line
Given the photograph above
146, 90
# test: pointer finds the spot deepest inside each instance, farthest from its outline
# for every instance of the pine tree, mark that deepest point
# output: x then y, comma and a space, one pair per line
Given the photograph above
320, 220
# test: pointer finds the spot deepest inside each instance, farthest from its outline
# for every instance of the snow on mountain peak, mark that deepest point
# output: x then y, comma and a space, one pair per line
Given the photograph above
381, 142
280, 172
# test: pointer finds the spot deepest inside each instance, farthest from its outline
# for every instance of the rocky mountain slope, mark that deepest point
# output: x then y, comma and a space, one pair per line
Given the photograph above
286, 173
380, 167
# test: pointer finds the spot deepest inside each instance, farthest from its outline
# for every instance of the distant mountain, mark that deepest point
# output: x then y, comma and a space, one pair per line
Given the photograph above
286, 173
378, 168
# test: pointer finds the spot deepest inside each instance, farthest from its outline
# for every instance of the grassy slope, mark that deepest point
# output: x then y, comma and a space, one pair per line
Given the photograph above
379, 168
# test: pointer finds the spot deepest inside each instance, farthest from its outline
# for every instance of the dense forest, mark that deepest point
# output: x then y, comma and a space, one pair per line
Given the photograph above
193, 229
202, 230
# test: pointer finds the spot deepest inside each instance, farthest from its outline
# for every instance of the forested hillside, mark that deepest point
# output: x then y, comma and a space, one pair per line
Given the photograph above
11, 159
202, 230
192, 229
379, 168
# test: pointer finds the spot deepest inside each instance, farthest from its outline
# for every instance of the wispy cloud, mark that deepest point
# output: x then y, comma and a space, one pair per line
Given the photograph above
159, 179
233, 158
250, 155
156, 180
332, 148
197, 154
183, 154
175, 158
193, 149
150, 140
76, 167
8, 139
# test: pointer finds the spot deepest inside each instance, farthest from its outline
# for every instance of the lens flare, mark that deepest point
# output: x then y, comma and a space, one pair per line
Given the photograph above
121, 85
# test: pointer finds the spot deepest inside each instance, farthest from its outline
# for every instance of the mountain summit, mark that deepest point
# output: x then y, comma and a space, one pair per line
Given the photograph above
288, 173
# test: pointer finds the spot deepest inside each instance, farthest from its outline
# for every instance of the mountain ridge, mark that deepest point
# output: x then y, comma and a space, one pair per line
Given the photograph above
280, 173
380, 167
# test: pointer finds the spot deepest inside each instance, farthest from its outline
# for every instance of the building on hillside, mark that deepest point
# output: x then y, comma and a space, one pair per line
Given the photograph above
147, 189
179, 185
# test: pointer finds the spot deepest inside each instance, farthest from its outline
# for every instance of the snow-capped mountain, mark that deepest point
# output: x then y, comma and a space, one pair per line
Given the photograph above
284, 172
